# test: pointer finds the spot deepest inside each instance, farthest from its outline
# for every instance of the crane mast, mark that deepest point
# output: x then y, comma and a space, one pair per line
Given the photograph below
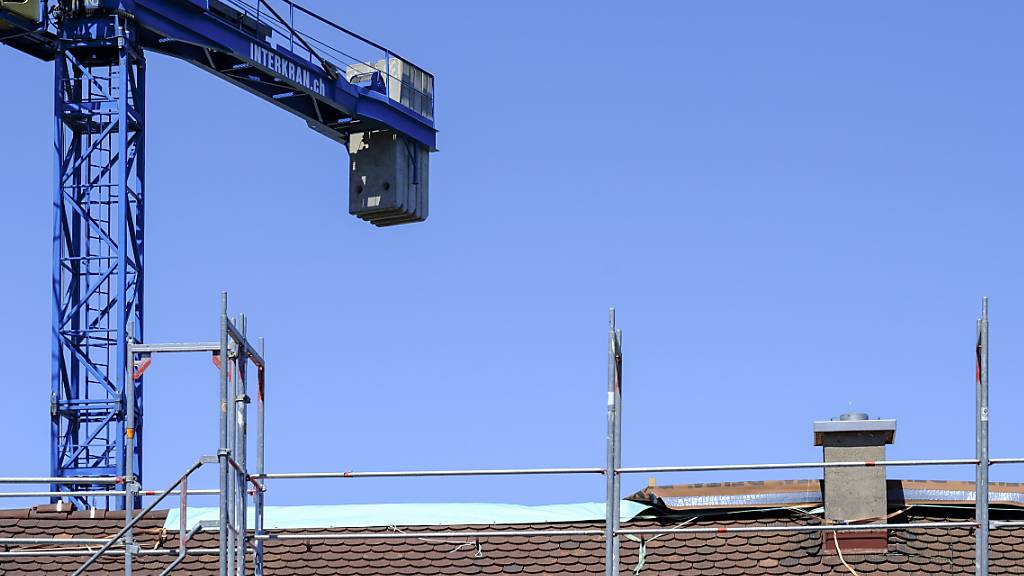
381, 107
98, 241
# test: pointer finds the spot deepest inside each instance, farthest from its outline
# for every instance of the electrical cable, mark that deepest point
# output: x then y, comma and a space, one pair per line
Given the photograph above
835, 538
642, 552
458, 545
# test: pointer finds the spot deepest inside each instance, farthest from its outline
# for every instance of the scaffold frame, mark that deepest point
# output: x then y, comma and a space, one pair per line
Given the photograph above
233, 354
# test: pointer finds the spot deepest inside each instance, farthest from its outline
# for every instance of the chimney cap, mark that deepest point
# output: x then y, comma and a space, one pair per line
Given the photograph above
854, 422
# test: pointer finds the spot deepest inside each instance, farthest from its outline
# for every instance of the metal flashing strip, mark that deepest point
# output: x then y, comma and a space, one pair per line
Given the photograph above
743, 500
898, 495
822, 427
855, 426
960, 496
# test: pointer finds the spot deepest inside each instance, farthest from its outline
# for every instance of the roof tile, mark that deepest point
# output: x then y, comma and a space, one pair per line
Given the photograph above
928, 551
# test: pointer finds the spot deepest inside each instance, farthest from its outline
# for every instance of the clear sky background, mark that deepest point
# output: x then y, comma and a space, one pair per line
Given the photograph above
796, 208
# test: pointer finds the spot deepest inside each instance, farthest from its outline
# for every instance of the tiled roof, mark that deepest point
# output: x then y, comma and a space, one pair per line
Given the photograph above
927, 551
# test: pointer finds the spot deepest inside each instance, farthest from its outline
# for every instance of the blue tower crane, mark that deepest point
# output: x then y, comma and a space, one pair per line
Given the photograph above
342, 85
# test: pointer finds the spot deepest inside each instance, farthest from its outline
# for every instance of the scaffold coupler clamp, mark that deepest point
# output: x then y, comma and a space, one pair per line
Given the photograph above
132, 487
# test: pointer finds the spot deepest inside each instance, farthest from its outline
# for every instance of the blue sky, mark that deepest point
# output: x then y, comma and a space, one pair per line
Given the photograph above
796, 208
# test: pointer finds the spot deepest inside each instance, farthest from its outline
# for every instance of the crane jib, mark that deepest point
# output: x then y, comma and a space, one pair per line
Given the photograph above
285, 68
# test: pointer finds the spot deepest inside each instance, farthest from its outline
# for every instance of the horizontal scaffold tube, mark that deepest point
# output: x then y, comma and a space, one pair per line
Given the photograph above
820, 528
118, 552
182, 347
100, 493
62, 480
510, 472
59, 494
996, 524
1006, 460
502, 534
600, 532
441, 534
797, 465
413, 473
632, 470
191, 492
61, 541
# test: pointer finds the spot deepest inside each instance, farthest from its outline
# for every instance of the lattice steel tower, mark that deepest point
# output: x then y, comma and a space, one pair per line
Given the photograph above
98, 240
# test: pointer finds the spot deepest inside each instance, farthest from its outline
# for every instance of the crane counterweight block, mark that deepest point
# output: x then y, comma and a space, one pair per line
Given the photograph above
388, 178
30, 10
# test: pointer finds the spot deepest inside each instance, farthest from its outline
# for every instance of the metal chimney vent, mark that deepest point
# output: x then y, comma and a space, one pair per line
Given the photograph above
853, 416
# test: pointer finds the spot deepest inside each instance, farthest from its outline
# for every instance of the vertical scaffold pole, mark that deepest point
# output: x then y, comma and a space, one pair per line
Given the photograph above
222, 452
981, 487
612, 498
618, 423
232, 494
241, 444
260, 455
129, 448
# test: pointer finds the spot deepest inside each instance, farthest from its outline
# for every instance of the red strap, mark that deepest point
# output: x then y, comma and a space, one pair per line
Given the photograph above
140, 368
216, 362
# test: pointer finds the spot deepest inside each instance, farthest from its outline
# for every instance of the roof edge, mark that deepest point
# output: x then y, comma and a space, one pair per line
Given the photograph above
807, 493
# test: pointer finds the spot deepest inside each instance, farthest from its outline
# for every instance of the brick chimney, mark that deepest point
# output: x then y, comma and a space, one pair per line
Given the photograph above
856, 494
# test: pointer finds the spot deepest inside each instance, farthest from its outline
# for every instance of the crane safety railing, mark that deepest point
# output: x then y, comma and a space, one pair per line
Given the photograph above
312, 37
234, 545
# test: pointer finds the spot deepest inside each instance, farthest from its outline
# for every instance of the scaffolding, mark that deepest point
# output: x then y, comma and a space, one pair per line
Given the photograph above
233, 355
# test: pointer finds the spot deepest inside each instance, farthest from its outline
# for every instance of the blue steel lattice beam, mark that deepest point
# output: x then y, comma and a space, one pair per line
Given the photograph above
99, 192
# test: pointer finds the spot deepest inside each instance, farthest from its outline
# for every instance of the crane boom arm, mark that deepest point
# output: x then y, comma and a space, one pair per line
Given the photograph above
251, 47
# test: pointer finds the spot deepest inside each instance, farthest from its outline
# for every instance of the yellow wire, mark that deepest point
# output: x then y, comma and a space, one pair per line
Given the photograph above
835, 538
